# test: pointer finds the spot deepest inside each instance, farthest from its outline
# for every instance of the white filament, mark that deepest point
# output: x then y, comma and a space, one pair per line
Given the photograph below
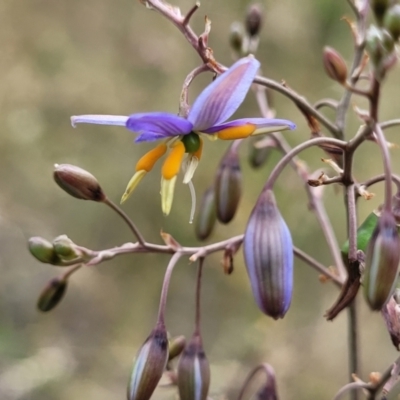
193, 195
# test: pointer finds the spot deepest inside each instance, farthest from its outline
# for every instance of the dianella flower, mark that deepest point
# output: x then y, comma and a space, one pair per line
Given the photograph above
182, 137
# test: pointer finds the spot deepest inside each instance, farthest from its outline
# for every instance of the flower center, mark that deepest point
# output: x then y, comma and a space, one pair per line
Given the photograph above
192, 142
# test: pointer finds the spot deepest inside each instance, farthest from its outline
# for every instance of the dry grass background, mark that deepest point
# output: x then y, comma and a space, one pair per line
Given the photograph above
71, 57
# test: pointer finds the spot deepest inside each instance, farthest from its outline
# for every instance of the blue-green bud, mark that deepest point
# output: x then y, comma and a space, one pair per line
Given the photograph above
52, 294
382, 262
268, 253
207, 215
149, 365
42, 250
228, 186
193, 371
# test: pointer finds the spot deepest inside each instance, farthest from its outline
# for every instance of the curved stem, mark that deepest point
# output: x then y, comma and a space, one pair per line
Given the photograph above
128, 221
198, 297
296, 150
380, 178
164, 292
269, 371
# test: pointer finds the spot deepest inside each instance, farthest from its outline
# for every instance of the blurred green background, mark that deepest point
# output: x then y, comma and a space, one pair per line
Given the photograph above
65, 58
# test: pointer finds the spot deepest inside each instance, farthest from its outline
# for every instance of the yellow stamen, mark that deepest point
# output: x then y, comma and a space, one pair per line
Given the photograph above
199, 151
167, 194
236, 132
146, 163
173, 161
132, 184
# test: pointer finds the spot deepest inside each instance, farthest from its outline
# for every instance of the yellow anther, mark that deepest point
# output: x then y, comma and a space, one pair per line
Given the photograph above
146, 163
173, 161
199, 151
236, 132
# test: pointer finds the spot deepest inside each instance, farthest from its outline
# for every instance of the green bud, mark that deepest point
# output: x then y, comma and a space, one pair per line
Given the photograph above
193, 371
253, 20
392, 21
228, 186
334, 65
42, 250
382, 262
52, 294
65, 248
258, 156
236, 37
78, 183
379, 8
176, 346
149, 365
207, 215
379, 44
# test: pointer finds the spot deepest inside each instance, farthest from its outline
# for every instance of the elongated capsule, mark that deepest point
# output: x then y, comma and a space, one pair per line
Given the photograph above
268, 253
149, 365
207, 215
382, 262
193, 371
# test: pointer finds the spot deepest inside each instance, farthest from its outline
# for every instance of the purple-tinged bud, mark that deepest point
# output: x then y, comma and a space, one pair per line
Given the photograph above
42, 250
78, 183
382, 262
65, 248
253, 20
268, 253
392, 21
149, 365
176, 346
379, 8
334, 65
193, 371
228, 186
236, 37
207, 215
52, 294
391, 315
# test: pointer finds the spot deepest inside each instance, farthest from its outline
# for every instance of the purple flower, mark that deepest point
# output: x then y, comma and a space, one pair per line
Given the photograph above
207, 117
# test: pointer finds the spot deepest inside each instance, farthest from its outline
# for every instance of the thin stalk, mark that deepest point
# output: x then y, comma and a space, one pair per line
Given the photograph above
164, 292
198, 297
128, 221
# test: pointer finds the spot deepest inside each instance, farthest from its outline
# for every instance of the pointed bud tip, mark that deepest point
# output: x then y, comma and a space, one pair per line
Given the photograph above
78, 183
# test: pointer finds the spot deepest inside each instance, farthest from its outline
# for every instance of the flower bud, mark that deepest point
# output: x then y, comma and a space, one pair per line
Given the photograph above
379, 44
258, 156
391, 315
42, 250
253, 20
379, 8
149, 365
176, 346
392, 21
236, 37
228, 186
268, 253
65, 248
382, 262
207, 215
78, 183
334, 65
193, 371
52, 294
